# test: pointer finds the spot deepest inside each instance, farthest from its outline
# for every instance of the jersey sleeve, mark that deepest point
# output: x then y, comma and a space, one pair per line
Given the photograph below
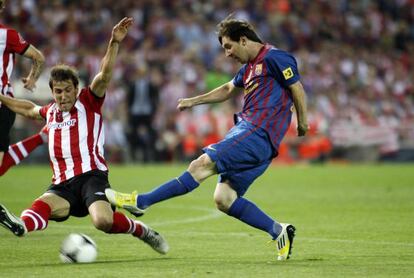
44, 109
283, 67
15, 42
238, 79
90, 100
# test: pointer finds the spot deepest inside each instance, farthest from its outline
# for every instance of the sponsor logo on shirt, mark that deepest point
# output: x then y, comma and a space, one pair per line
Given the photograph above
250, 88
288, 73
69, 123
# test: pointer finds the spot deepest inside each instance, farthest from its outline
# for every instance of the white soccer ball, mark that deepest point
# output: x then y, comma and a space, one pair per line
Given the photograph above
78, 248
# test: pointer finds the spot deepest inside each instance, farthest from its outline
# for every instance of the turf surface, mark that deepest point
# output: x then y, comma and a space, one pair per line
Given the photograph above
351, 221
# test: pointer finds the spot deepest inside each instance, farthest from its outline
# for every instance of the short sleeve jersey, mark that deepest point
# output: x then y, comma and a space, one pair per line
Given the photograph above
76, 138
11, 42
268, 102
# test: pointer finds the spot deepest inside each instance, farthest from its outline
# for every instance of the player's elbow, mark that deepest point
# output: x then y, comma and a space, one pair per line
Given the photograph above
40, 58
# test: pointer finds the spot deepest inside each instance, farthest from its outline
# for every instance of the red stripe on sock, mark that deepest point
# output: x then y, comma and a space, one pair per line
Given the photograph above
29, 222
8, 162
139, 230
32, 142
122, 225
43, 210
29, 144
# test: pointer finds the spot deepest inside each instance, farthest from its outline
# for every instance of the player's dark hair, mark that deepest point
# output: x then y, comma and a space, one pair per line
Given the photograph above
234, 29
63, 72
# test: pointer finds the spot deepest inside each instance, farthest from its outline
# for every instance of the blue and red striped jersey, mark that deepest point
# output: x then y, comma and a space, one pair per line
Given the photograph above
267, 100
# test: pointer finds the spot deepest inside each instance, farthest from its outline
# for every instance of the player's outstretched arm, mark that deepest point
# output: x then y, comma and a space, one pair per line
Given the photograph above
219, 94
38, 61
23, 107
299, 99
102, 79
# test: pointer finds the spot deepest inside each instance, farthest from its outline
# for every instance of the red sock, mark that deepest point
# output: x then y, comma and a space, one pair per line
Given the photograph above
37, 216
124, 225
17, 152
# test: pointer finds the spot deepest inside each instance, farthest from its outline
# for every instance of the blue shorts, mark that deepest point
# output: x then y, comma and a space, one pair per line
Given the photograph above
242, 156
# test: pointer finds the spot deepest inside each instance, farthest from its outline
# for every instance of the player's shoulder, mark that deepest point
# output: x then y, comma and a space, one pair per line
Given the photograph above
8, 28
86, 89
275, 53
2, 26
242, 69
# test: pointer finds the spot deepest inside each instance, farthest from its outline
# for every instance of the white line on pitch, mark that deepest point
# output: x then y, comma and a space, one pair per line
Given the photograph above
213, 213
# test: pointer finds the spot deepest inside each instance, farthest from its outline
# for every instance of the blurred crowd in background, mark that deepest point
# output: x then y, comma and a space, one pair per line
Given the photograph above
356, 58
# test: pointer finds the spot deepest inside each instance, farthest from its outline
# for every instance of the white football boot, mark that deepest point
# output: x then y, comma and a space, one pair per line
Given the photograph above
284, 241
153, 239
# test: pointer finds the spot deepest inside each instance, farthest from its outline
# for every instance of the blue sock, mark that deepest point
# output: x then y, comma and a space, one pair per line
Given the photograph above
250, 214
175, 187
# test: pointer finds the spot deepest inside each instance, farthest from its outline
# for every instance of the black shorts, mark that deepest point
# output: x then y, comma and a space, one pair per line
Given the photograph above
81, 191
7, 118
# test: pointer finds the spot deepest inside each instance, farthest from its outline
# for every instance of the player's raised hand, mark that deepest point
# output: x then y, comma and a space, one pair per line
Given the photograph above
29, 83
184, 103
121, 29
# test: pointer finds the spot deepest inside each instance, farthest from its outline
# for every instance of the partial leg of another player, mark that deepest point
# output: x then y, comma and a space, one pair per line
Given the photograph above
11, 222
37, 216
17, 152
110, 222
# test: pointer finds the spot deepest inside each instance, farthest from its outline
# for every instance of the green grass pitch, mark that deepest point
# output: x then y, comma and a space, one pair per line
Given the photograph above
351, 220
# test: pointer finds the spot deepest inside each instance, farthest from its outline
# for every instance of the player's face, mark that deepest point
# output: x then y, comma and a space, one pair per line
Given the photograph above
64, 93
235, 50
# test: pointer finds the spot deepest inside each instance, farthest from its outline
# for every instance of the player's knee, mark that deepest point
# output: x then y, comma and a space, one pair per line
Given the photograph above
201, 168
223, 203
102, 223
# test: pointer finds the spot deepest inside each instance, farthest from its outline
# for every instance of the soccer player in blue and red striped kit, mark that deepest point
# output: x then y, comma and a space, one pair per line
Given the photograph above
269, 79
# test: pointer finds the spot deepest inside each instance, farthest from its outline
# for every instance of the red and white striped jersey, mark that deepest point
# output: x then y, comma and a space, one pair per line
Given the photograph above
11, 42
76, 138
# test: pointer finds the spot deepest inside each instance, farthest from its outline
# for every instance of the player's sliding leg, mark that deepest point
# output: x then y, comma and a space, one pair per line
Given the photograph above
110, 222
136, 204
17, 152
48, 206
36, 217
124, 225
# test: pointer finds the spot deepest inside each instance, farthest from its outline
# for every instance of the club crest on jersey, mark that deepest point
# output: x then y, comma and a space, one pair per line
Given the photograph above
258, 69
69, 123
288, 73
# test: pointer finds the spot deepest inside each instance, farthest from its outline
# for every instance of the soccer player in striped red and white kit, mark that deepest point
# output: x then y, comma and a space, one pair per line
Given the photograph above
270, 81
75, 140
11, 42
